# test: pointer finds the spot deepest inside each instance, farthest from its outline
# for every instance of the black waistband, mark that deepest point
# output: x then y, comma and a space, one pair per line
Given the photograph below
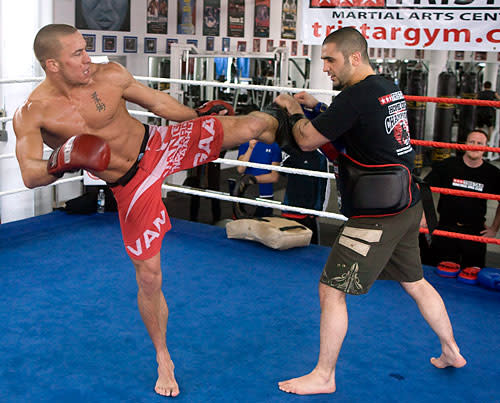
133, 169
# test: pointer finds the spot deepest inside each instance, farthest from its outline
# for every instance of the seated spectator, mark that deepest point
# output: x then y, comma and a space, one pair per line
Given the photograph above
464, 214
486, 115
255, 151
306, 191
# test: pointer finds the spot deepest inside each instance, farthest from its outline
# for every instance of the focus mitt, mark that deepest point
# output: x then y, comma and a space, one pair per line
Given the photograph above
85, 151
284, 136
215, 108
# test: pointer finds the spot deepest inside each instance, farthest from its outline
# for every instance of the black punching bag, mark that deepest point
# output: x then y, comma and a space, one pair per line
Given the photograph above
467, 116
417, 85
443, 119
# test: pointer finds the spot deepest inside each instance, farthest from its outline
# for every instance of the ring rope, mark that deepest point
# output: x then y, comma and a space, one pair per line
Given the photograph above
456, 146
58, 182
460, 101
276, 168
465, 193
226, 197
458, 235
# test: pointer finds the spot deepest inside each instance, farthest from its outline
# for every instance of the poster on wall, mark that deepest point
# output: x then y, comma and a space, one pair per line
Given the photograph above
210, 43
211, 17
261, 28
236, 18
289, 19
157, 16
103, 15
186, 17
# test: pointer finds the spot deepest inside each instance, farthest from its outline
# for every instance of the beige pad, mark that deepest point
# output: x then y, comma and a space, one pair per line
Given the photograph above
274, 232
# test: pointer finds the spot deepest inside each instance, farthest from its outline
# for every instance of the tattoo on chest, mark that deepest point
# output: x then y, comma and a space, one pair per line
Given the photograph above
100, 106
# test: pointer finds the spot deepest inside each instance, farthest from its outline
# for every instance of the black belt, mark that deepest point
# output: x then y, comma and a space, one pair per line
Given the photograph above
133, 169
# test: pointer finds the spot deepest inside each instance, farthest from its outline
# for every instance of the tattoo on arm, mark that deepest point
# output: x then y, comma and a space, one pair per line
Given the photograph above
98, 103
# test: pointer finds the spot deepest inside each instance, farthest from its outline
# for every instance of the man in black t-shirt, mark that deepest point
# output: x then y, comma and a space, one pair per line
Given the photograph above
486, 115
464, 214
369, 118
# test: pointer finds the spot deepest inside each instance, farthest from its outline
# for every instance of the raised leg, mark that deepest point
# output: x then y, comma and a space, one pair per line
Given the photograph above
333, 329
154, 313
432, 307
241, 129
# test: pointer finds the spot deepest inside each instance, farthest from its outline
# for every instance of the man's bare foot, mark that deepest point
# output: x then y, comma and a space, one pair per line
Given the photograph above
449, 360
166, 385
310, 384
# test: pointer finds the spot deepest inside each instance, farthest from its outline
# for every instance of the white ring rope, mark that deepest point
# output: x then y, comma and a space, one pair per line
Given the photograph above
202, 192
278, 168
226, 197
219, 84
58, 182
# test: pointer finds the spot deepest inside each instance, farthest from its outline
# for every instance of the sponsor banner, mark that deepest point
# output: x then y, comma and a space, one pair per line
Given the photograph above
408, 24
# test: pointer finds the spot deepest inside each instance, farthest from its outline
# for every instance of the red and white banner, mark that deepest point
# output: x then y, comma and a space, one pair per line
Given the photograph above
408, 24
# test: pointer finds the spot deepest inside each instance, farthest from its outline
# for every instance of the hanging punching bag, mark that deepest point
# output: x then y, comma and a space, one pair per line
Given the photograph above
443, 118
417, 85
467, 113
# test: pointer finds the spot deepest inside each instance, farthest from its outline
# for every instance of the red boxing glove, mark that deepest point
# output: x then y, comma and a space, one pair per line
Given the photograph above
85, 151
214, 108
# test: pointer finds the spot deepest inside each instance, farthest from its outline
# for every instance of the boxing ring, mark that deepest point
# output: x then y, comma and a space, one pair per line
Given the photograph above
242, 318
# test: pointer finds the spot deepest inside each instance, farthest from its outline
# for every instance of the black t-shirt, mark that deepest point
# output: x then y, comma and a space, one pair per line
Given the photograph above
306, 191
486, 95
370, 120
453, 173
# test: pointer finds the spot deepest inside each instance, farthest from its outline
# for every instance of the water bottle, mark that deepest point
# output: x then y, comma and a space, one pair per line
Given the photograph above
101, 201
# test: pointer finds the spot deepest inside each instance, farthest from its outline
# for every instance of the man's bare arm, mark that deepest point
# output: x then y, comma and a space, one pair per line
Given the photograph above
160, 103
29, 146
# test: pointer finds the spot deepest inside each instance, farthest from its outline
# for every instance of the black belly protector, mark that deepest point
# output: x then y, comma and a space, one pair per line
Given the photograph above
373, 190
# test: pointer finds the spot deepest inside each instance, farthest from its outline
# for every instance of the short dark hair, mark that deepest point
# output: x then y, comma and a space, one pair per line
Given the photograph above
479, 131
487, 85
47, 44
348, 41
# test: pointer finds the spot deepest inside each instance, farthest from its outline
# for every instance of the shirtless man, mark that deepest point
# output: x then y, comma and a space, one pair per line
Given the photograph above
78, 97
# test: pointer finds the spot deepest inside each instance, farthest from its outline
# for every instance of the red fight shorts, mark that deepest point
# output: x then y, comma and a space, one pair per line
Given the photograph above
143, 217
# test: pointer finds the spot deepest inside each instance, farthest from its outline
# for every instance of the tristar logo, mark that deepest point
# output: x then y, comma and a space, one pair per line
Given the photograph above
206, 138
347, 3
387, 99
148, 236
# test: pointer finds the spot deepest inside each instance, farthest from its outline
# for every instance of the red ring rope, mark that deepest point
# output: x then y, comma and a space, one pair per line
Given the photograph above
458, 235
463, 147
465, 193
461, 101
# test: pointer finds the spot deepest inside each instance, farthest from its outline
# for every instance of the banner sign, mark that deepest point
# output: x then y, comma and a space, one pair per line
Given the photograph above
408, 24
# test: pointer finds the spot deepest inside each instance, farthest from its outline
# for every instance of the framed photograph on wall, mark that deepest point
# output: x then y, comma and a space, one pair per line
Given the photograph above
256, 45
89, 42
282, 44
193, 42
109, 43
226, 44
210, 43
130, 44
169, 43
269, 45
305, 50
149, 45
480, 56
459, 55
293, 51
241, 46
